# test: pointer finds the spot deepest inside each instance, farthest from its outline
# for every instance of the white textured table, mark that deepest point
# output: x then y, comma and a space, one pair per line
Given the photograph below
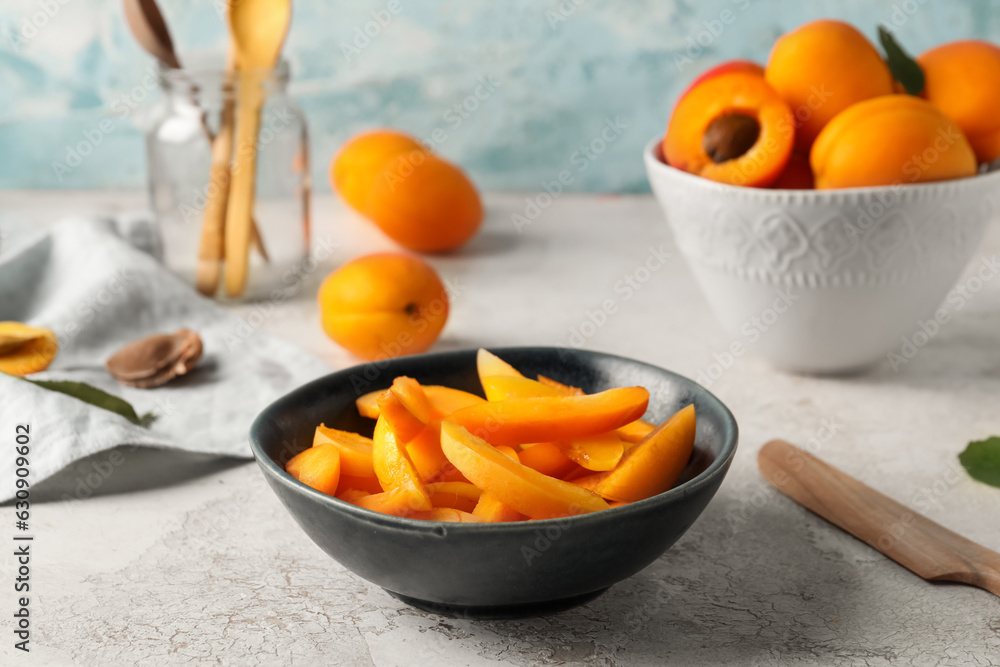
181, 559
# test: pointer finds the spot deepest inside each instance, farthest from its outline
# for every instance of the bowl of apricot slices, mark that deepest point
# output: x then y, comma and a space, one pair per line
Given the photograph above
829, 199
514, 483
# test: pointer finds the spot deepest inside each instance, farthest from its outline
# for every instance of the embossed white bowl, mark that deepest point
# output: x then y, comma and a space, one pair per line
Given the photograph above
824, 281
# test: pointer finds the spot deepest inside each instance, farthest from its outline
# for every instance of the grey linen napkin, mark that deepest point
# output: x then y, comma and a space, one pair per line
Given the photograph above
97, 292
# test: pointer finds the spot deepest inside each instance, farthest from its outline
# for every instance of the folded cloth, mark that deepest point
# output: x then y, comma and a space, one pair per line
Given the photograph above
97, 291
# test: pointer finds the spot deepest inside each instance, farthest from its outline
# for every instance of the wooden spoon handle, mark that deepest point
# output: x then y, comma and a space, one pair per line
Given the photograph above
210, 249
924, 547
240, 209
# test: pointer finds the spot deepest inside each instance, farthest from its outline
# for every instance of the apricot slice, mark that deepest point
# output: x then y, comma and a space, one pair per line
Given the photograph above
822, 68
394, 470
565, 389
396, 502
504, 387
352, 483
413, 398
655, 464
490, 365
525, 490
547, 458
355, 450
404, 424
636, 431
732, 128
509, 452
458, 495
552, 419
490, 509
598, 452
890, 140
444, 400
319, 467
25, 349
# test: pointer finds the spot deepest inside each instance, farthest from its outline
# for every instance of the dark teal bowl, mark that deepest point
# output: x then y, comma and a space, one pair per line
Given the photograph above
506, 569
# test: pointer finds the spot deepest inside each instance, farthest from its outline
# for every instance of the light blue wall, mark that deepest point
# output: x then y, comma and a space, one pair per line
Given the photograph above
564, 67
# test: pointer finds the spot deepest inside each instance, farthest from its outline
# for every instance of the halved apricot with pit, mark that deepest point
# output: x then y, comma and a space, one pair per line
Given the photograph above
732, 128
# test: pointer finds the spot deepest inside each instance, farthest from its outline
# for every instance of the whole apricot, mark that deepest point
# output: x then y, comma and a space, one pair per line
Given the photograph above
889, 140
724, 68
425, 204
962, 79
355, 167
383, 305
732, 128
822, 68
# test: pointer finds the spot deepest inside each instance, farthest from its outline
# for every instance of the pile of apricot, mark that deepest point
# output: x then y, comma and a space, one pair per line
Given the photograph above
827, 112
532, 449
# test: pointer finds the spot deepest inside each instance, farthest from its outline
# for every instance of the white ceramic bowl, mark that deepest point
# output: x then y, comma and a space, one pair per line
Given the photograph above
824, 281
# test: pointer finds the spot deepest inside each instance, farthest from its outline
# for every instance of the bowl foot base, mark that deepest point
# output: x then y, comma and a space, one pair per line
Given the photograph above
501, 611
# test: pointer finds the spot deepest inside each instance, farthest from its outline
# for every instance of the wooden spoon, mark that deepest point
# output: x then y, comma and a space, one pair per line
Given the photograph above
922, 546
258, 29
150, 30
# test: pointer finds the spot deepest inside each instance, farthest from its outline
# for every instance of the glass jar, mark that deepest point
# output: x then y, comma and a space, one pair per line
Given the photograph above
188, 192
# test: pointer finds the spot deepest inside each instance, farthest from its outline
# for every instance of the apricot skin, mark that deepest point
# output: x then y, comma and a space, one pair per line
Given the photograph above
962, 79
822, 68
425, 204
888, 140
359, 162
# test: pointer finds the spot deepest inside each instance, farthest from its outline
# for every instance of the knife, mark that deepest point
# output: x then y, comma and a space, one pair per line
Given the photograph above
922, 546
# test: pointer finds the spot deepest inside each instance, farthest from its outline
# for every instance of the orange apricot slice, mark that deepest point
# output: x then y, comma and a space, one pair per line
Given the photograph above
319, 467
504, 387
547, 458
732, 128
525, 490
564, 388
352, 483
490, 509
655, 464
25, 349
489, 364
404, 424
355, 450
396, 502
413, 398
552, 419
598, 452
510, 452
458, 495
443, 400
394, 469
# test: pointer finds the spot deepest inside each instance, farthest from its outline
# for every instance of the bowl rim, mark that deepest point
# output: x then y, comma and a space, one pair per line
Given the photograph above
730, 433
654, 162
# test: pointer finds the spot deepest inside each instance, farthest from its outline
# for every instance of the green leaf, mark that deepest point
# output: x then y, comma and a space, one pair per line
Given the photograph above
981, 459
94, 396
904, 68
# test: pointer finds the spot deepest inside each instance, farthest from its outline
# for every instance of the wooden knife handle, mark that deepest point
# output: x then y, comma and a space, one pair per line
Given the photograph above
926, 548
